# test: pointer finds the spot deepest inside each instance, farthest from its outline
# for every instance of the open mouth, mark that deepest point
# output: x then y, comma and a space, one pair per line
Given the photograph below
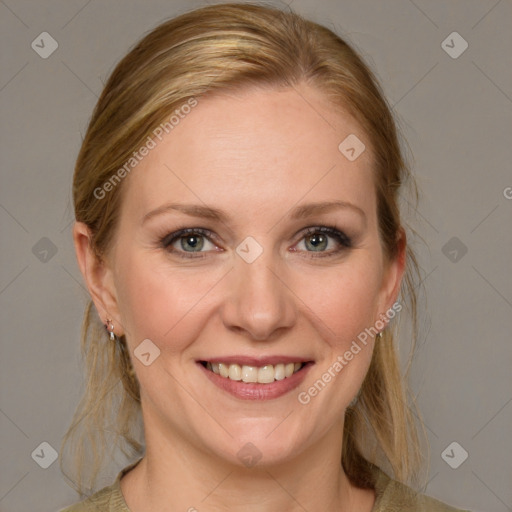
254, 374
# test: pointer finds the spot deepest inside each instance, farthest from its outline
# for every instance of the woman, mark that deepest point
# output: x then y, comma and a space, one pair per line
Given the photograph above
239, 233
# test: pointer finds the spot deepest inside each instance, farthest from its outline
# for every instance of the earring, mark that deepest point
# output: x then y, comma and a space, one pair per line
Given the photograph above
110, 328
379, 335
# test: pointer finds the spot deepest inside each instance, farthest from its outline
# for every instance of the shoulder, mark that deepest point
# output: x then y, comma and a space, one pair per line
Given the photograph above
394, 496
108, 499
98, 502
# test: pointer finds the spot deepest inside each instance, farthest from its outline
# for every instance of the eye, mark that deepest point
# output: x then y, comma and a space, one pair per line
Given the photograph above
324, 240
188, 242
319, 241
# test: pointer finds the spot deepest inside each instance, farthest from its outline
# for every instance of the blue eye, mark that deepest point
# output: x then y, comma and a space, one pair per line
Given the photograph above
193, 242
189, 240
325, 240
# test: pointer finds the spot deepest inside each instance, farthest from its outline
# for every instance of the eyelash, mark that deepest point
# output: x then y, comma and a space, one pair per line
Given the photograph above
343, 240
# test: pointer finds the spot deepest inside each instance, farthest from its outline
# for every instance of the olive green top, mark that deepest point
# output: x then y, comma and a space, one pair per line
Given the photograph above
390, 496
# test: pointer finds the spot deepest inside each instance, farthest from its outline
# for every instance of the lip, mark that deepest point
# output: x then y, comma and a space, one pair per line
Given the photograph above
256, 391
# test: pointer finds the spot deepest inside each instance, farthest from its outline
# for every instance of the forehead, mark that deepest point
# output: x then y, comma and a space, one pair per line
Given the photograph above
260, 149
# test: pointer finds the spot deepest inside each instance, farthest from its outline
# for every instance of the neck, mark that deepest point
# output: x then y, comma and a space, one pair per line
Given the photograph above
178, 476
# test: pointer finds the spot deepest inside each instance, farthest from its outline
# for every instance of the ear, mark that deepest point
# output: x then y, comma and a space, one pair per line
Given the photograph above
97, 275
392, 278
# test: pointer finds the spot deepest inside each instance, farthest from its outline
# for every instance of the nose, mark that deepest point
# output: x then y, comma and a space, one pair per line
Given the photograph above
259, 302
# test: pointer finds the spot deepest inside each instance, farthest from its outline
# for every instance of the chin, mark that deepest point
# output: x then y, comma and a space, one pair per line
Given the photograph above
263, 445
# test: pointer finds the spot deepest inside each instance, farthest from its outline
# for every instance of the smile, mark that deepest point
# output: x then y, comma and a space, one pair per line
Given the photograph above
251, 378
254, 374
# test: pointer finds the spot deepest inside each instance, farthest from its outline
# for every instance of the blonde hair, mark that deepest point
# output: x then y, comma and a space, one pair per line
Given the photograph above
217, 48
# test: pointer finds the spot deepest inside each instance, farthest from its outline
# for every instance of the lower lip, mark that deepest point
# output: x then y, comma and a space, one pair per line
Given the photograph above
256, 391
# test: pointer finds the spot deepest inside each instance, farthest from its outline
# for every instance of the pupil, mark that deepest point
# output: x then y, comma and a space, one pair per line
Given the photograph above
193, 241
317, 241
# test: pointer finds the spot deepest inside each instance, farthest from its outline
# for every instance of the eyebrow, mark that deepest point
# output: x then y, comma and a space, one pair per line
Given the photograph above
207, 212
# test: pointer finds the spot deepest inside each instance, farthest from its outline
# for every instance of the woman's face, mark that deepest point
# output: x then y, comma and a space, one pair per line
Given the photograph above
281, 268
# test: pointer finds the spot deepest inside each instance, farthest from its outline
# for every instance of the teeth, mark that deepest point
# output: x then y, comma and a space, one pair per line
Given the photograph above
266, 374
223, 370
251, 374
279, 372
235, 372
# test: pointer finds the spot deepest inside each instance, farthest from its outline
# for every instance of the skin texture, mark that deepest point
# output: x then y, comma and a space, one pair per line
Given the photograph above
256, 155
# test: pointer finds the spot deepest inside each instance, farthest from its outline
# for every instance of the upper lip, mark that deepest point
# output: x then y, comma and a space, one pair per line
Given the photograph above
256, 360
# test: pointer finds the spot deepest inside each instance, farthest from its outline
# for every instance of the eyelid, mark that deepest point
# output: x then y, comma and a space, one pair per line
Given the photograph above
180, 232
343, 240
168, 240
333, 231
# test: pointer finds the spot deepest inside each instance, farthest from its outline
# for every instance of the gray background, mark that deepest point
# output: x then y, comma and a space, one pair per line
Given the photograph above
456, 114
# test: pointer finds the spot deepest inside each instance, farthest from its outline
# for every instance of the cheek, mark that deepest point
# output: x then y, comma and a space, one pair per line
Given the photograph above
161, 303
343, 300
